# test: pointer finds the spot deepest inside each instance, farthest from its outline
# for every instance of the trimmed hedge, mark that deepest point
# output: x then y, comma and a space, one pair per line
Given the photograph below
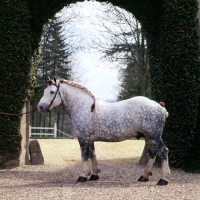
21, 24
171, 29
15, 54
175, 79
173, 43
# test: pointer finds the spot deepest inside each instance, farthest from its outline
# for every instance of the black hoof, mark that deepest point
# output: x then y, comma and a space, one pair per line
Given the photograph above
94, 177
143, 179
81, 179
162, 182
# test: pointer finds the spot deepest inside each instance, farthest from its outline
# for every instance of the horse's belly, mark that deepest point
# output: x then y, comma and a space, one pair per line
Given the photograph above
115, 136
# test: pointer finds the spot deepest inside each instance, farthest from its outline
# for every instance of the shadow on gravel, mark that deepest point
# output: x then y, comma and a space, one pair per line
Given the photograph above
114, 173
118, 173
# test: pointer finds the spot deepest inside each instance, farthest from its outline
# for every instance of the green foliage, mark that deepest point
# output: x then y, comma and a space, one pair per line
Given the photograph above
132, 82
55, 54
126, 44
15, 51
21, 23
54, 60
41, 11
171, 30
135, 76
174, 69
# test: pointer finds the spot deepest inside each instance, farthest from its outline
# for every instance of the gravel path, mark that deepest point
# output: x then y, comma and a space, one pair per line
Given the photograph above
118, 179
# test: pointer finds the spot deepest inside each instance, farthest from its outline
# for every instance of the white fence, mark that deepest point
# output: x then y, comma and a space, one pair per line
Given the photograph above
42, 128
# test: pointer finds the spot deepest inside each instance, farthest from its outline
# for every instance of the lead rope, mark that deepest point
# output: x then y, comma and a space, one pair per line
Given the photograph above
66, 134
4, 113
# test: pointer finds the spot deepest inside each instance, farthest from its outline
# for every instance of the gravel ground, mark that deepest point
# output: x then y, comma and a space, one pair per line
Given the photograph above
118, 179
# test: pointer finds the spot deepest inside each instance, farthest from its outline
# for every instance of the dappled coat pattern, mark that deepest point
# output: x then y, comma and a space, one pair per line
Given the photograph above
112, 122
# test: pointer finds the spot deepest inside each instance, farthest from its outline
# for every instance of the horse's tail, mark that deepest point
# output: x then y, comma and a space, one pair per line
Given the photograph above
164, 109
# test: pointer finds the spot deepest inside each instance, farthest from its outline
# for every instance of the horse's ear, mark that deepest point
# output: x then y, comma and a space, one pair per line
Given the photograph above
55, 79
50, 82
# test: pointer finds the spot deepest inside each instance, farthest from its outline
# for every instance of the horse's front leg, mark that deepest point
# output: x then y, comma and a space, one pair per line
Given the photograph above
95, 168
85, 154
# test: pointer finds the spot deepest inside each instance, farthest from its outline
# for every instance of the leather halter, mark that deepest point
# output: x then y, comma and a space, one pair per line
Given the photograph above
58, 86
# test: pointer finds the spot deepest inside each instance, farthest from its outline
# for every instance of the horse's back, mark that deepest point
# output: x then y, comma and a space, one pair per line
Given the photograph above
134, 104
125, 118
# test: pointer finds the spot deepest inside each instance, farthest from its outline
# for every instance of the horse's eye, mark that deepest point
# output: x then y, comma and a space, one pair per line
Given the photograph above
52, 92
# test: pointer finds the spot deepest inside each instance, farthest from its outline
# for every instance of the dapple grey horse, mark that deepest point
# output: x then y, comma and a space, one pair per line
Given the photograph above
95, 120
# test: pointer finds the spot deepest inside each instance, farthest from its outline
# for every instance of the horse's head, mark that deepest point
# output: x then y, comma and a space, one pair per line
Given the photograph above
51, 97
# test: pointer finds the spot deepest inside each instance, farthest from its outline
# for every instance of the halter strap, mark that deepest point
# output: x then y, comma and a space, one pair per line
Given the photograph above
58, 86
93, 109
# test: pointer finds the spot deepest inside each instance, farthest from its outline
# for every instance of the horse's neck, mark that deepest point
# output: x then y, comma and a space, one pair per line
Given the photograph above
73, 97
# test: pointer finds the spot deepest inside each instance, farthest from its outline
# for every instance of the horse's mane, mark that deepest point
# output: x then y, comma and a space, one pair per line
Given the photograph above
77, 85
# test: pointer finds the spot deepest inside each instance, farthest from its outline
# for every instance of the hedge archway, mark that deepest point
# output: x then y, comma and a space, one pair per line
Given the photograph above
171, 29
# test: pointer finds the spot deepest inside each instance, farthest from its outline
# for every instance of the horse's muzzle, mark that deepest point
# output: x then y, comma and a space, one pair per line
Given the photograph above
42, 108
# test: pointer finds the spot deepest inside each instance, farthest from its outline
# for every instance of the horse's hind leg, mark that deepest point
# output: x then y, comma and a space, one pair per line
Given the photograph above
152, 152
95, 168
165, 171
147, 170
156, 147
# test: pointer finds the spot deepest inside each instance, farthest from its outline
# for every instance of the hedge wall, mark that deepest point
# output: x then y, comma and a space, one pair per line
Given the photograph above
21, 23
171, 29
15, 52
172, 34
175, 79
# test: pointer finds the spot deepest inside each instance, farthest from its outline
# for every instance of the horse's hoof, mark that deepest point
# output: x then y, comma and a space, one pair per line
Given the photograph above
143, 179
94, 177
162, 182
81, 179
